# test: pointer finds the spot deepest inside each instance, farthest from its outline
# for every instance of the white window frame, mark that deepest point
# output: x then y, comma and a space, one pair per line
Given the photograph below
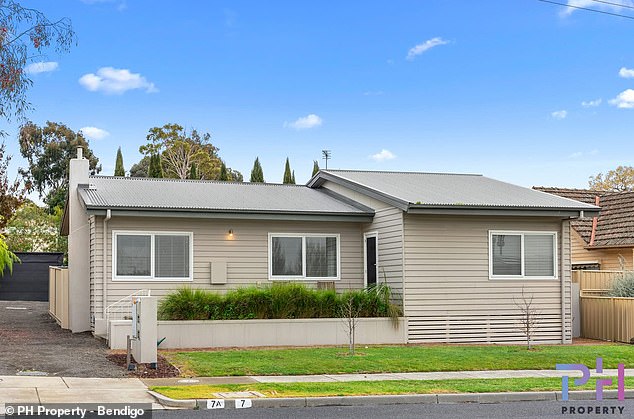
152, 277
522, 233
303, 276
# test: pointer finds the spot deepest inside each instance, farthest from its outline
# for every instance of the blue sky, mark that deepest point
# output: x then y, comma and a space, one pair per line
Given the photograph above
523, 91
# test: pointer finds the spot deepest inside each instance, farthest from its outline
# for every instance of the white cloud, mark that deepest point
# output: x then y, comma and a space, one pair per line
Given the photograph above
425, 46
41, 67
593, 4
592, 103
625, 100
383, 155
559, 114
579, 154
305, 122
94, 133
116, 81
626, 73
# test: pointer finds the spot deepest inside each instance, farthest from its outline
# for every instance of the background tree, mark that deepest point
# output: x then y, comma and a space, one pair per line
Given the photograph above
224, 176
48, 151
193, 172
257, 175
156, 166
25, 34
288, 176
620, 179
119, 170
11, 192
141, 169
33, 229
315, 168
234, 175
293, 177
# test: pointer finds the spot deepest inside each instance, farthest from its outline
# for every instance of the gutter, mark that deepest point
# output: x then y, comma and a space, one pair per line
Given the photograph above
104, 253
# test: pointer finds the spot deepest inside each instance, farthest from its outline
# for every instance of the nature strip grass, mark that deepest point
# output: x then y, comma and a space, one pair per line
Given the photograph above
382, 359
375, 388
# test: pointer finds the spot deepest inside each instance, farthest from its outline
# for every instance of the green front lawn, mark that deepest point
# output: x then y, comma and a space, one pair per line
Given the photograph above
377, 359
370, 388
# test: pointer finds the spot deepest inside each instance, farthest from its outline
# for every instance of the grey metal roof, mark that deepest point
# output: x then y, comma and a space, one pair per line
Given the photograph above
107, 192
416, 189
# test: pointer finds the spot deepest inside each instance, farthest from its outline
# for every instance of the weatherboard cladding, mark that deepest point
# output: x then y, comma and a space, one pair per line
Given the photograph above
461, 190
188, 195
615, 224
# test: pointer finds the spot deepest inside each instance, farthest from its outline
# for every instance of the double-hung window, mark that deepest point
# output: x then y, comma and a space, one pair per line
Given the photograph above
304, 256
165, 256
529, 255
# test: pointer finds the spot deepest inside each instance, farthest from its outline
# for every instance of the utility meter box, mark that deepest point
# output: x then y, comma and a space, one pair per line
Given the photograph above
144, 330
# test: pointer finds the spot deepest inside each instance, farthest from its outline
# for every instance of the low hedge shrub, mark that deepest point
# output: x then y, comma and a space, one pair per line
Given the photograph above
277, 301
623, 286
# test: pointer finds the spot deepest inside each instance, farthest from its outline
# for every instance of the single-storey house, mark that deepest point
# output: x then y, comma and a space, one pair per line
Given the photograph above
456, 249
606, 241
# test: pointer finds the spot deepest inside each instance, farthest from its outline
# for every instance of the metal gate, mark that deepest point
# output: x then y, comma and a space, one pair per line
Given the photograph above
29, 281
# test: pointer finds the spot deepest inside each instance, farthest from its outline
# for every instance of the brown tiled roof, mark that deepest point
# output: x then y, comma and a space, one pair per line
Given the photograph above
615, 224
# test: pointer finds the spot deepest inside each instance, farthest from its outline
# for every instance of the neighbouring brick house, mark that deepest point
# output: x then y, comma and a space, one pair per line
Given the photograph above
605, 242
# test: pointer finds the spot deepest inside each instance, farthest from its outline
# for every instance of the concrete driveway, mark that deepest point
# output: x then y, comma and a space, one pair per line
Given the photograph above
32, 342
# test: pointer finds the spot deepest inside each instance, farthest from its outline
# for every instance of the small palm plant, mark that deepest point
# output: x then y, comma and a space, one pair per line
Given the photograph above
7, 258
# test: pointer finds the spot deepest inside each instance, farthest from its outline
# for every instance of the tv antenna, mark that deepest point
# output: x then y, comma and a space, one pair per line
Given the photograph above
327, 155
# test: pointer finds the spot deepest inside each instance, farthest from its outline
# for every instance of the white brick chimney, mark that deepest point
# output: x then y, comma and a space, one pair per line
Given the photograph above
78, 247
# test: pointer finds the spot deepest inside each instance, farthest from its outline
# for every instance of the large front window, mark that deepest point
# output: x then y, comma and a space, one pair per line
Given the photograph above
304, 256
161, 256
530, 255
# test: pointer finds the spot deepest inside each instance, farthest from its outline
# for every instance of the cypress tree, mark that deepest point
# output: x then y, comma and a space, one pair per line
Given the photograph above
118, 167
315, 167
293, 178
288, 177
156, 166
224, 176
257, 175
193, 172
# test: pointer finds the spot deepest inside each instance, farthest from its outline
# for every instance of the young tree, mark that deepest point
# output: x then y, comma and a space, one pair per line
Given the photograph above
141, 169
48, 151
224, 176
257, 175
620, 179
11, 193
156, 166
349, 312
529, 317
288, 176
119, 170
193, 172
25, 34
7, 258
315, 168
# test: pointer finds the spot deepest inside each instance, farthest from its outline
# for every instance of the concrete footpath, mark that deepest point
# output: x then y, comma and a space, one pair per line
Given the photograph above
40, 390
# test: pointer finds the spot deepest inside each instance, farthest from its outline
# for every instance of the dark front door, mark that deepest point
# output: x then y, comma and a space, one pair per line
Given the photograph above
370, 260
